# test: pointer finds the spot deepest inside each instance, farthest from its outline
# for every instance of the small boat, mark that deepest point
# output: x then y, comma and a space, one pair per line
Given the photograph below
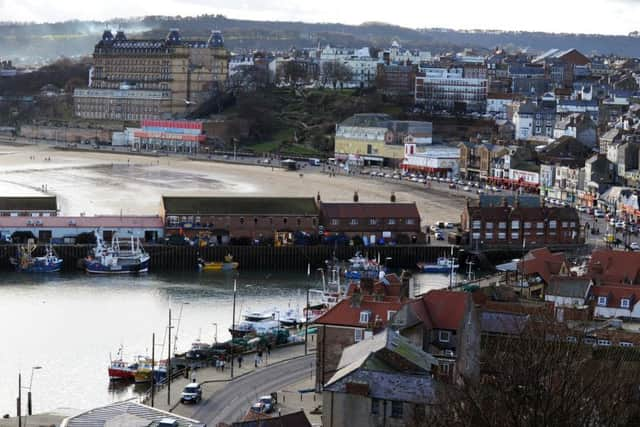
25, 262
291, 318
227, 265
111, 259
442, 265
143, 373
247, 328
259, 316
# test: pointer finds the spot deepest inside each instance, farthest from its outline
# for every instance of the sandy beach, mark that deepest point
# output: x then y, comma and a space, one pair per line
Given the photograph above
105, 183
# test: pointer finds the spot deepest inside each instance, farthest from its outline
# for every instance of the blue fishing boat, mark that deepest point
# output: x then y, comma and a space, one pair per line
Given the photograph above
443, 265
113, 259
25, 262
364, 268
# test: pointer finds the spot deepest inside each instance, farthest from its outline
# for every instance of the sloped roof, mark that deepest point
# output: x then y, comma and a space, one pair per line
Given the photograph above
616, 292
46, 203
301, 206
570, 287
544, 263
446, 309
493, 322
126, 410
295, 419
614, 266
109, 221
347, 314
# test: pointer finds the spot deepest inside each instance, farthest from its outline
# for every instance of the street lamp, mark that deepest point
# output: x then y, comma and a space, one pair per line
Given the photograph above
215, 337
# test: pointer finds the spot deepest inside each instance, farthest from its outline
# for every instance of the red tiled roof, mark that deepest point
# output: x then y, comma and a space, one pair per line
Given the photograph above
616, 292
446, 309
369, 210
615, 266
543, 262
345, 314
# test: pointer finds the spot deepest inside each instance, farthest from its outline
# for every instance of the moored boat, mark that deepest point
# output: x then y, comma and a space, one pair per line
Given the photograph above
227, 265
143, 373
121, 370
361, 267
25, 262
442, 265
112, 259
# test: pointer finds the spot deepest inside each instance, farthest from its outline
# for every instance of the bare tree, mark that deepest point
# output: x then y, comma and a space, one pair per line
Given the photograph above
248, 79
546, 376
336, 72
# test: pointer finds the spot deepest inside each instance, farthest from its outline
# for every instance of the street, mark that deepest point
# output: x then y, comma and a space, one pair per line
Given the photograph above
232, 402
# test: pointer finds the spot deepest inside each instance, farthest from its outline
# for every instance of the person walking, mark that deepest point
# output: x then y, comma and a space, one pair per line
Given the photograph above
256, 361
239, 362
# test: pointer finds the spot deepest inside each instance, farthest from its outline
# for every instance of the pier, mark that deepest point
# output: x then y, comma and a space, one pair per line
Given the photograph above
167, 258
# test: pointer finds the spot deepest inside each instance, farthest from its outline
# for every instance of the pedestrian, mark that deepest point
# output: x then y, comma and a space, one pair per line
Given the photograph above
217, 364
268, 350
222, 363
239, 362
256, 361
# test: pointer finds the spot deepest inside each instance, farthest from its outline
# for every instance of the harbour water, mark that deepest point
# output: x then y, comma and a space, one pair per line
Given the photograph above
70, 324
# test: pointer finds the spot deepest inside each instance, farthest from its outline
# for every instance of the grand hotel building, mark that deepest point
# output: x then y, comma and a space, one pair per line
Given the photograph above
151, 79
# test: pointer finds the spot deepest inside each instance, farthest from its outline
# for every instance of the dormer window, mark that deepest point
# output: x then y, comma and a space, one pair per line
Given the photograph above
602, 301
625, 303
364, 316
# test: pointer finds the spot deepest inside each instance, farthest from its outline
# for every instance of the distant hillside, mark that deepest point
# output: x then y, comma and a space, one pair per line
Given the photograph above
39, 43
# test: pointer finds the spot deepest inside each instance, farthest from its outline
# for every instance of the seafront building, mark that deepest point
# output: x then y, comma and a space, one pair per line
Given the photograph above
139, 79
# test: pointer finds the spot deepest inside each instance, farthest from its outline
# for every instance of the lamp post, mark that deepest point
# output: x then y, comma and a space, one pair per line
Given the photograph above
29, 407
215, 336
233, 321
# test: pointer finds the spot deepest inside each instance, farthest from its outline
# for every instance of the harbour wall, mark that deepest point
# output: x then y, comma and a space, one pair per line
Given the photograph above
166, 258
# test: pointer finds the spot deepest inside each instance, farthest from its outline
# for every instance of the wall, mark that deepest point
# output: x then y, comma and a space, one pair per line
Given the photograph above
65, 134
352, 410
360, 146
331, 342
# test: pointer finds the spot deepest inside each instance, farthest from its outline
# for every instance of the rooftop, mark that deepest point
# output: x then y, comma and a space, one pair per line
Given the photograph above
369, 210
43, 203
301, 206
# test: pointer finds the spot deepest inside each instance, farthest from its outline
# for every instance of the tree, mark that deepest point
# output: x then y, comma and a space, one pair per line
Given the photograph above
336, 72
546, 376
294, 72
248, 79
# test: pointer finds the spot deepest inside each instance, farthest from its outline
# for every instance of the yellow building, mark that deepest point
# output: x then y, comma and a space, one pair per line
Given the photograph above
151, 79
377, 139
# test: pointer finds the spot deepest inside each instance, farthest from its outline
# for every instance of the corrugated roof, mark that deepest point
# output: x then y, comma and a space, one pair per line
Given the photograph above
45, 203
294, 206
370, 210
101, 417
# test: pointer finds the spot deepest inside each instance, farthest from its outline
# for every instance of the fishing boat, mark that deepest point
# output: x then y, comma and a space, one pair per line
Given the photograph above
227, 265
291, 318
443, 265
112, 259
25, 262
249, 328
143, 373
119, 369
361, 267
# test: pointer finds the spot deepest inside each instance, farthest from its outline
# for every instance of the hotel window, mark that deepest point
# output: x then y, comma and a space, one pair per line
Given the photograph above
488, 226
625, 303
502, 225
502, 236
602, 301
488, 236
626, 344
353, 221
565, 224
335, 221
540, 226
527, 225
515, 225
604, 343
396, 409
373, 221
515, 236
553, 224
475, 236
392, 221
411, 221
476, 224
573, 224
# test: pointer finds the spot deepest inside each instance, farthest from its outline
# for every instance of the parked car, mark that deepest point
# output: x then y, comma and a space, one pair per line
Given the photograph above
439, 235
598, 213
620, 225
467, 188
192, 393
635, 246
264, 405
581, 208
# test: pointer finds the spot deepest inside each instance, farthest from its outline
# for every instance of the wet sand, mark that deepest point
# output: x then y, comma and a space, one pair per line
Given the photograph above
106, 183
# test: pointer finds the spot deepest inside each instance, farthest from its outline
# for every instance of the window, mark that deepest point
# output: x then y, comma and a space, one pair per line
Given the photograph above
284, 220
626, 344
502, 236
515, 236
573, 224
625, 303
488, 236
255, 221
411, 221
515, 225
390, 314
502, 225
488, 226
353, 221
298, 221
602, 301
444, 336
476, 224
420, 412
241, 220
540, 225
392, 221
357, 335
527, 225
396, 409
364, 316
375, 406
475, 236
335, 221
553, 224
589, 341
565, 224
604, 343
572, 339
373, 221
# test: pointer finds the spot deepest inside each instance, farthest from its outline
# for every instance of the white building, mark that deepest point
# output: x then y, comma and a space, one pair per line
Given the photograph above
432, 159
616, 301
498, 105
448, 88
399, 55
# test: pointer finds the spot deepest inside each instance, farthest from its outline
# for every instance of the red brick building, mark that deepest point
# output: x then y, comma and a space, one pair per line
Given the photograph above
375, 221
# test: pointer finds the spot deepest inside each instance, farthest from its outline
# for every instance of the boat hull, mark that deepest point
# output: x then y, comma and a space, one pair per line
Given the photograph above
53, 267
95, 267
142, 376
219, 266
121, 374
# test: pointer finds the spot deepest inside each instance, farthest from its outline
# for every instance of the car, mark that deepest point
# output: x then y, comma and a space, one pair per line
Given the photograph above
467, 188
598, 213
414, 179
620, 225
589, 210
480, 191
264, 405
381, 174
192, 393
635, 246
448, 225
452, 186
439, 235
612, 221
396, 176
581, 208
422, 181
496, 189
434, 228
386, 175
373, 173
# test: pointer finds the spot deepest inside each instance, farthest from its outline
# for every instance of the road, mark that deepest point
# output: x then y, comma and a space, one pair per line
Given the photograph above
234, 400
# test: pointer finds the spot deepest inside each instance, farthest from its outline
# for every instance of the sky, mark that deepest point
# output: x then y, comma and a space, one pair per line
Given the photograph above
573, 16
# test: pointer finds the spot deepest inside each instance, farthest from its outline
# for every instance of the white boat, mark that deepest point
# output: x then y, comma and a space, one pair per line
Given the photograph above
291, 318
113, 259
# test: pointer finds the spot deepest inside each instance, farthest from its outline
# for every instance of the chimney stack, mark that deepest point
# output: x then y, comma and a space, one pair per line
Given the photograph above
393, 197
356, 197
